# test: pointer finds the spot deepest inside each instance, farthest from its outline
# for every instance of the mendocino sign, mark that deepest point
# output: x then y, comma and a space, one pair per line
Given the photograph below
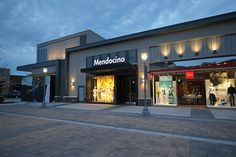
109, 61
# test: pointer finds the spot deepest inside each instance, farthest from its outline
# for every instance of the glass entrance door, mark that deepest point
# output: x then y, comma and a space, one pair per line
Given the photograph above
127, 90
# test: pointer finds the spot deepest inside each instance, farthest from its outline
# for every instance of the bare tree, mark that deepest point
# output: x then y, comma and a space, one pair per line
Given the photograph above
3, 62
4, 72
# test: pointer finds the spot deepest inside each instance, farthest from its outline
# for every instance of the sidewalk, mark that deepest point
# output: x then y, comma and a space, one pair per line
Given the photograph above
184, 112
88, 106
164, 111
18, 102
188, 112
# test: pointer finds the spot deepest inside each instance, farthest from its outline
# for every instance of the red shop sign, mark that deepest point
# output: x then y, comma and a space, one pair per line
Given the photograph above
151, 77
189, 75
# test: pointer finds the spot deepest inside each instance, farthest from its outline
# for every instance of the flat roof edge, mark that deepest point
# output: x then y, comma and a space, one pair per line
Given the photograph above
67, 37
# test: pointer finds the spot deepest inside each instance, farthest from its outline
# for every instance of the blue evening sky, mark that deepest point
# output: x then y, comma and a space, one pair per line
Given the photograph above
24, 23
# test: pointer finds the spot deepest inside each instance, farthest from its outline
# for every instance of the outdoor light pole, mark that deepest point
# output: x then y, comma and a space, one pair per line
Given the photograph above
45, 70
144, 57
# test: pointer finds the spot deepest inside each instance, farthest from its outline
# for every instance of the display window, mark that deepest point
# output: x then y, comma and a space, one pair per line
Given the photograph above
206, 82
220, 89
191, 90
103, 89
165, 90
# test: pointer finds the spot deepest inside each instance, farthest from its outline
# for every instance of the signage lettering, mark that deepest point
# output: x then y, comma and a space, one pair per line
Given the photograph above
189, 75
109, 61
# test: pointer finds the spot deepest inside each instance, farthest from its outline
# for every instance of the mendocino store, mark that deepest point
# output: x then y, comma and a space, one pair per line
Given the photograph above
191, 63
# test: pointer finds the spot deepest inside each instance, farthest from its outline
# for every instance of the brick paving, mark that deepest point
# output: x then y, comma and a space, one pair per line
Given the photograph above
25, 136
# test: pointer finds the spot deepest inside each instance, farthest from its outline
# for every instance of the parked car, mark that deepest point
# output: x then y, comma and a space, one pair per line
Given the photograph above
14, 94
1, 99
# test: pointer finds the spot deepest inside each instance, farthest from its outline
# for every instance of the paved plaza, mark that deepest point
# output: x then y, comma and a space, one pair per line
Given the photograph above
167, 111
87, 106
113, 130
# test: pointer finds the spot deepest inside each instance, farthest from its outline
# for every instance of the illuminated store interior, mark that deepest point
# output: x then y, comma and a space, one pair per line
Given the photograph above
107, 89
103, 89
205, 84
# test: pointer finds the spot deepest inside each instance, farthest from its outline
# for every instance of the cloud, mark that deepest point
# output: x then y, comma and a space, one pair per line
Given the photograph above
25, 23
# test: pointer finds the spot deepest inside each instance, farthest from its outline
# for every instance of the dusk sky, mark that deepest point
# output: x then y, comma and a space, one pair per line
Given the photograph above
25, 23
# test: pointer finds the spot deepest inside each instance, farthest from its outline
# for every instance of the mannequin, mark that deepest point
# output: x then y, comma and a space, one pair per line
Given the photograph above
163, 91
212, 96
171, 96
95, 94
231, 92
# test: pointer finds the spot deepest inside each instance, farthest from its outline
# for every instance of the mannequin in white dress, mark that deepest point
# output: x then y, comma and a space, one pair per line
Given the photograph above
212, 96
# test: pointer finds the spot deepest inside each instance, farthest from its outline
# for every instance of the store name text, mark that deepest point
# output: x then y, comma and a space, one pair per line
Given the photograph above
109, 61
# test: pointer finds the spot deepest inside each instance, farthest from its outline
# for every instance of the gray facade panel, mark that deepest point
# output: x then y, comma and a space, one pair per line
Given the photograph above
204, 48
222, 44
233, 43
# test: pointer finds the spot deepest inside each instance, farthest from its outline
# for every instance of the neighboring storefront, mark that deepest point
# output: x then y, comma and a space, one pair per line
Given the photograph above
205, 82
38, 88
45, 81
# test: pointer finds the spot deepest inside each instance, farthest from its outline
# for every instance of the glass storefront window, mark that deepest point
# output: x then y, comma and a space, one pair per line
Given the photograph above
165, 90
103, 89
205, 82
218, 89
191, 91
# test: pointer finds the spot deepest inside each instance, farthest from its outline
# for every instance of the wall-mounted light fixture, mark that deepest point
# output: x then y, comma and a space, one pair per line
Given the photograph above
72, 83
142, 80
45, 70
180, 48
165, 50
214, 44
196, 46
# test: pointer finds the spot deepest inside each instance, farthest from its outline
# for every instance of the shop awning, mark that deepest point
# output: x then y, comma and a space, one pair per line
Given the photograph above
111, 68
205, 67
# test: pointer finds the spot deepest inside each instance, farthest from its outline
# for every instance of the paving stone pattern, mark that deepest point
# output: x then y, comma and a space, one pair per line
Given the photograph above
201, 113
219, 130
24, 136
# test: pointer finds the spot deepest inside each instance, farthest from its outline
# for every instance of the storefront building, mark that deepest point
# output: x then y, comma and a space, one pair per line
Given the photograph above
46, 80
192, 63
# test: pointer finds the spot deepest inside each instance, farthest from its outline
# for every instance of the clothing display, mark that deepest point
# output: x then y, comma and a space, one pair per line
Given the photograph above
212, 96
171, 96
165, 91
103, 90
231, 92
95, 94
